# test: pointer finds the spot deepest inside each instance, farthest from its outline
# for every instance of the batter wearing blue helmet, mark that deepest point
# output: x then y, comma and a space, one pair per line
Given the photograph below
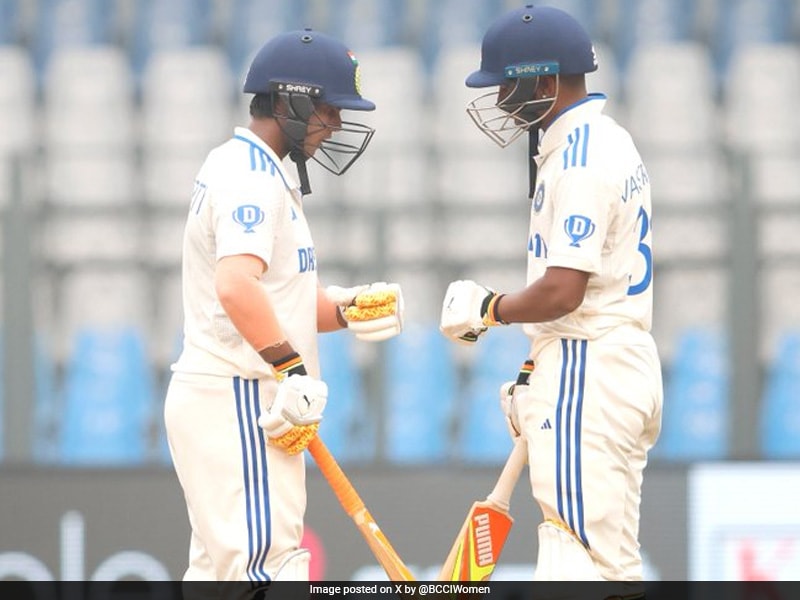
588, 399
246, 394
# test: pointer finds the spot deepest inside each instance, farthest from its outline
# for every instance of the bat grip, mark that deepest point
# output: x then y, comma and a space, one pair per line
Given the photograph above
341, 486
501, 494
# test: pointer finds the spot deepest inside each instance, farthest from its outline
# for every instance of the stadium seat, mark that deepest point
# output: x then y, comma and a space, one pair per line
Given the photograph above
47, 410
696, 411
451, 24
108, 399
118, 297
186, 100
483, 434
348, 427
63, 24
644, 22
779, 285
672, 111
780, 414
252, 22
11, 26
93, 178
759, 109
380, 23
74, 238
741, 23
18, 109
419, 396
688, 179
174, 24
89, 101
479, 172
775, 177
392, 168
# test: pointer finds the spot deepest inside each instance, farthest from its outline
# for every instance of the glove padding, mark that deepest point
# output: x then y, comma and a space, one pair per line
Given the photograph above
293, 419
373, 312
466, 311
510, 392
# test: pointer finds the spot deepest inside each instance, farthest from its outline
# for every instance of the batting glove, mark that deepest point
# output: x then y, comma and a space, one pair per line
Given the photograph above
373, 312
468, 310
293, 419
510, 392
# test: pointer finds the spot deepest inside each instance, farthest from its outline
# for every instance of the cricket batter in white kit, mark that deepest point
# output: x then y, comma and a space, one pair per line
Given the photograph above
592, 406
246, 394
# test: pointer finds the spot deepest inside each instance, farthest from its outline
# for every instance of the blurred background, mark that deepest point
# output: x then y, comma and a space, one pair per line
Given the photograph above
107, 109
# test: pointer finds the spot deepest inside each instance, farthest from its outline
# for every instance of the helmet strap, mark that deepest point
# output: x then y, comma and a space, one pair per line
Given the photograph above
533, 151
299, 158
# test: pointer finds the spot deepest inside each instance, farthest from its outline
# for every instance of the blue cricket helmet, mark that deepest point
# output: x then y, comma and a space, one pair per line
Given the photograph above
309, 58
530, 41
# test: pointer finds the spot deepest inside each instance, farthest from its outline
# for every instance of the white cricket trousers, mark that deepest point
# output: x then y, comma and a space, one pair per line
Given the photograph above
592, 412
246, 500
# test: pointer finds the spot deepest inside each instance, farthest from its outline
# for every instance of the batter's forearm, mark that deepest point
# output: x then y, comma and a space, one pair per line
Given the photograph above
329, 317
554, 295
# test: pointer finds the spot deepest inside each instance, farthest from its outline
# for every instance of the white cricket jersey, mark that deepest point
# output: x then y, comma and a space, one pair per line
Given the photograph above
245, 202
591, 212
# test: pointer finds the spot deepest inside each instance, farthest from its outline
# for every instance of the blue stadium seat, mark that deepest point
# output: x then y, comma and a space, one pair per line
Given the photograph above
455, 23
67, 23
696, 407
419, 396
167, 25
743, 22
46, 407
650, 21
108, 399
10, 22
253, 22
483, 435
379, 23
780, 416
47, 410
347, 427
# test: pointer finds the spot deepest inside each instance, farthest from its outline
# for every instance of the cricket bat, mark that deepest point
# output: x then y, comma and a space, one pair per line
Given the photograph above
354, 507
478, 545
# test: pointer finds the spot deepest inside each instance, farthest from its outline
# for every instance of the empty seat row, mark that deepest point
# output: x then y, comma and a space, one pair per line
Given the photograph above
240, 26
436, 405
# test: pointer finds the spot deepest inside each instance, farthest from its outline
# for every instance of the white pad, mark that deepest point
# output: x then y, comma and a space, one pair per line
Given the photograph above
295, 567
562, 557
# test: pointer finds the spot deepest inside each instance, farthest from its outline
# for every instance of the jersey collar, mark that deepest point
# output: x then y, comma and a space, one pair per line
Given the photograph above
553, 137
246, 135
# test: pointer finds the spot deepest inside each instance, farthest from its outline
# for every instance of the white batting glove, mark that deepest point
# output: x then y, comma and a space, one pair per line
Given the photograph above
510, 394
373, 312
467, 311
293, 419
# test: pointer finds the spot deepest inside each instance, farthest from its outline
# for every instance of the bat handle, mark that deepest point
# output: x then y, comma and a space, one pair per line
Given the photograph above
500, 496
341, 486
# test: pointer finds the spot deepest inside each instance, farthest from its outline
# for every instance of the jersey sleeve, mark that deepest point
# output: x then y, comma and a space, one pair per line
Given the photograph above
245, 221
580, 224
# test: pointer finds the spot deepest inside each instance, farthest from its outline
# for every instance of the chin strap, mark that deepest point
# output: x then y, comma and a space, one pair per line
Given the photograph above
533, 151
299, 159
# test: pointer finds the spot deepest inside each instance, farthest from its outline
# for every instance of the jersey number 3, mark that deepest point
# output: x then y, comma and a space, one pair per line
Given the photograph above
646, 252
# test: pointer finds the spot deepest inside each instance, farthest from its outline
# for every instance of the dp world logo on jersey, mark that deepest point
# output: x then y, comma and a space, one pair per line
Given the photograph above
248, 216
578, 228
